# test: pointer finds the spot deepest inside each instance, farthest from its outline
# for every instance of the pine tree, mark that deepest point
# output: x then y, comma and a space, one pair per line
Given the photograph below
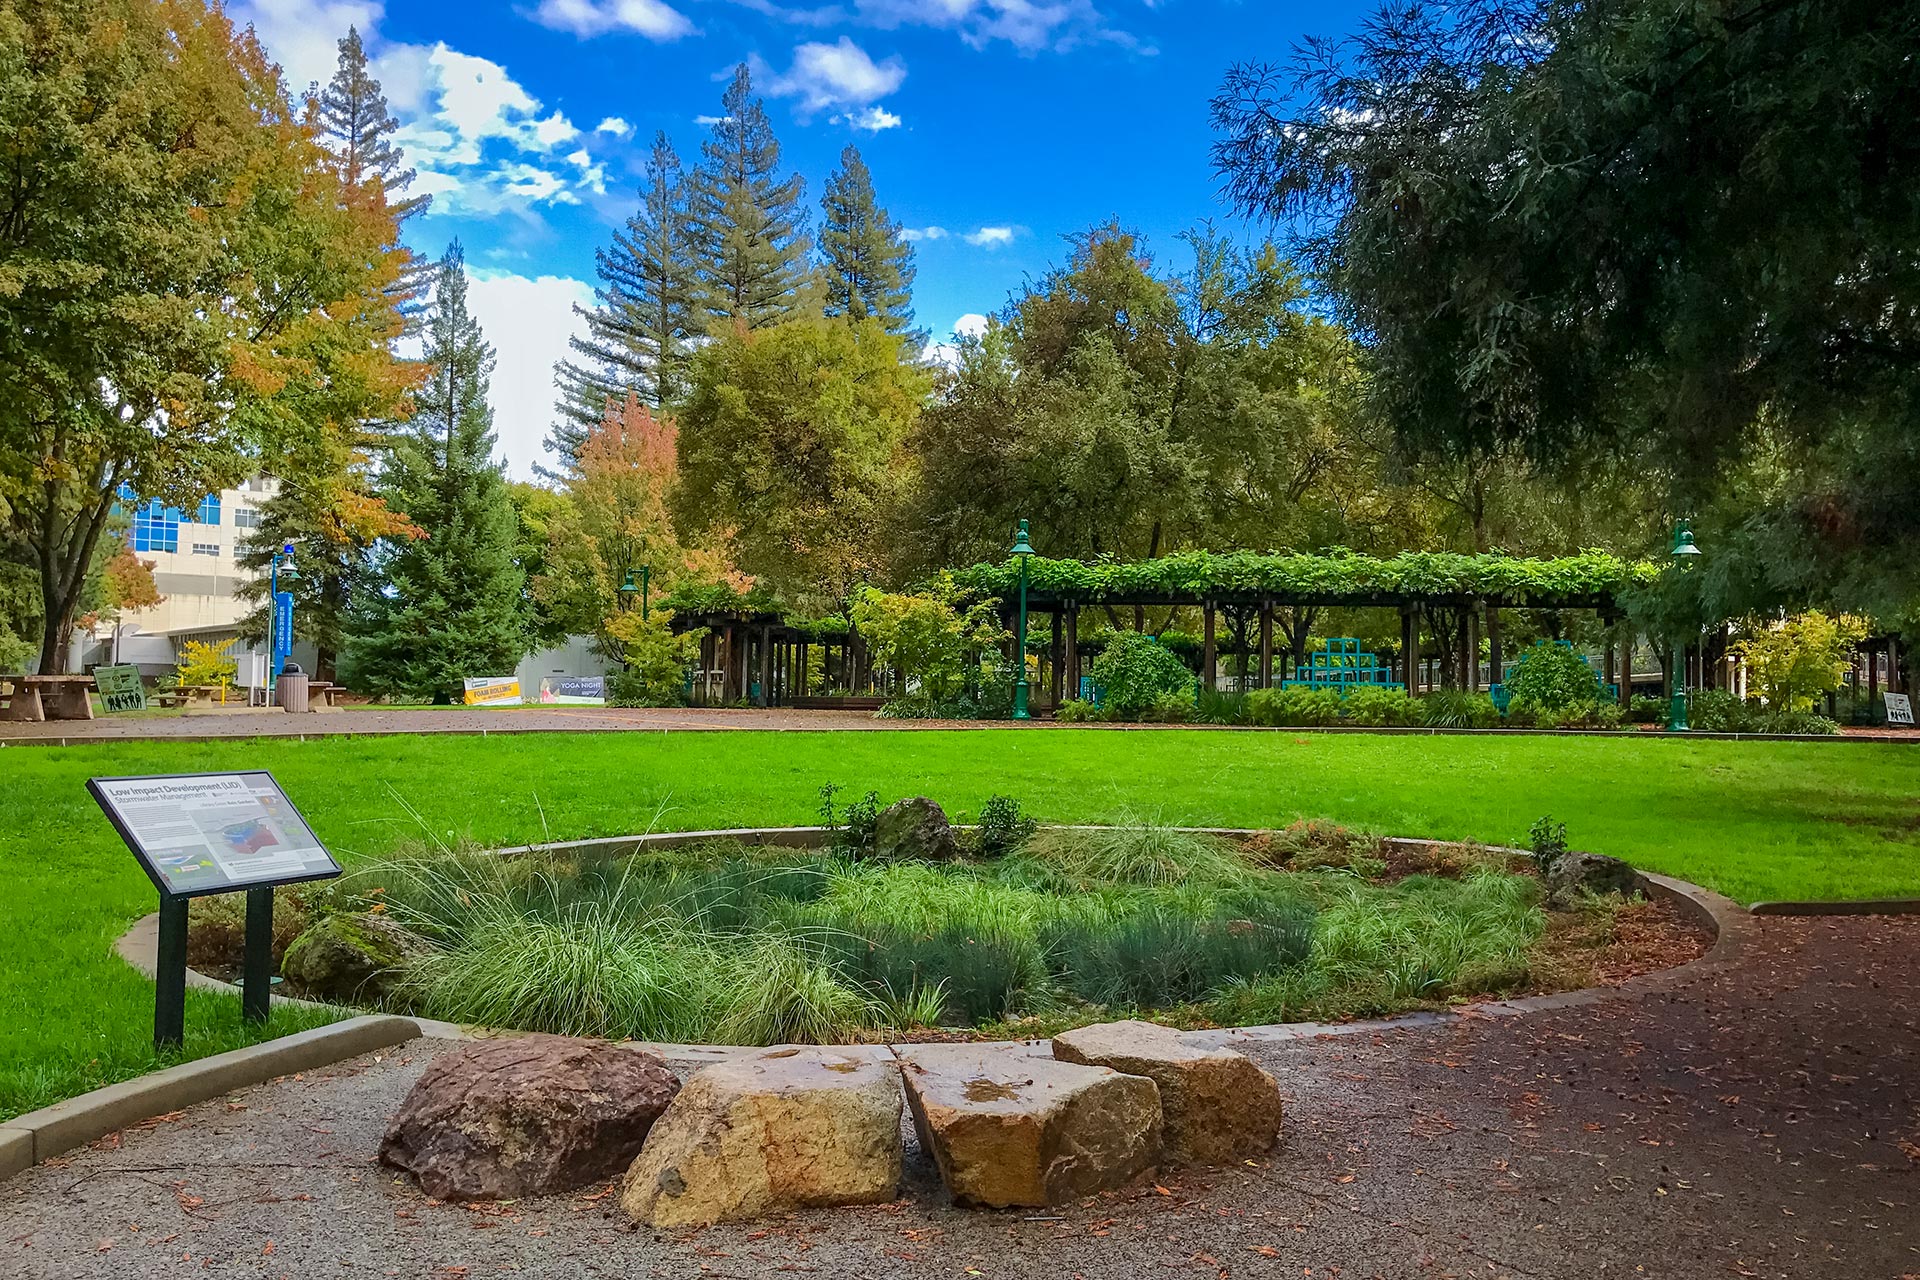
451, 603
748, 224
644, 314
866, 268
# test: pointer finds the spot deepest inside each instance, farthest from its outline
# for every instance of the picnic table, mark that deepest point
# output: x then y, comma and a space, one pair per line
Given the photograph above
47, 697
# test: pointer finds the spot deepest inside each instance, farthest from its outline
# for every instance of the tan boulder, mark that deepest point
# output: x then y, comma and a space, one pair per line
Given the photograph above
1008, 1128
1218, 1106
789, 1128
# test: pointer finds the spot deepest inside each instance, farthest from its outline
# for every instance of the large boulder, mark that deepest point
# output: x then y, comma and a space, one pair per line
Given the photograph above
1218, 1107
790, 1128
1575, 873
916, 828
527, 1116
351, 956
1007, 1128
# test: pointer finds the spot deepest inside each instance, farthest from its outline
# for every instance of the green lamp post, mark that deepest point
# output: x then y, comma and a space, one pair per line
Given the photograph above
1022, 551
1684, 551
627, 589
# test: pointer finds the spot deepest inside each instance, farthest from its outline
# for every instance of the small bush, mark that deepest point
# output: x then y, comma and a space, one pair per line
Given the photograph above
1552, 677
1216, 706
1800, 722
1002, 828
1177, 707
1137, 672
1458, 709
1547, 841
1294, 707
1159, 958
1647, 709
1718, 711
1078, 711
852, 828
1377, 705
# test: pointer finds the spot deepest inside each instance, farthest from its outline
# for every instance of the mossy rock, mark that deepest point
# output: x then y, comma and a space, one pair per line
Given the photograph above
914, 830
348, 957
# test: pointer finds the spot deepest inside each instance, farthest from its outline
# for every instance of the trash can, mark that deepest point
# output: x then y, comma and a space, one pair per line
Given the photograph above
291, 692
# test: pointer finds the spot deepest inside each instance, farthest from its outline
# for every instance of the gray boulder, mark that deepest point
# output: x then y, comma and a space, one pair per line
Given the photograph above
914, 829
1577, 873
352, 956
527, 1116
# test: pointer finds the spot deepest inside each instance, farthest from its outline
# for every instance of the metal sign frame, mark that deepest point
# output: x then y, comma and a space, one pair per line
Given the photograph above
170, 957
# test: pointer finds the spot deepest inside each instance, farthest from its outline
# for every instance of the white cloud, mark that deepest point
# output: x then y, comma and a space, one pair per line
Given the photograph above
870, 119
971, 325
303, 36
528, 320
616, 126
836, 75
482, 144
1029, 25
712, 120
990, 237
913, 235
653, 19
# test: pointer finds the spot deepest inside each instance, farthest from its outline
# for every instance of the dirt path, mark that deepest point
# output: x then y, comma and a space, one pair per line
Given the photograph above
1762, 1120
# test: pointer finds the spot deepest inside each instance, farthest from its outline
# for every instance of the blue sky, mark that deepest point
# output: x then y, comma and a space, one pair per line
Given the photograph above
993, 128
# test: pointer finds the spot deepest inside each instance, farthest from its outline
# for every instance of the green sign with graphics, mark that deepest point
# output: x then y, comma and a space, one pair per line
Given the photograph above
120, 688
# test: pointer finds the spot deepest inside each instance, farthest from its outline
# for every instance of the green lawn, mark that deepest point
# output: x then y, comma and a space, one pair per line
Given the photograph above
1753, 820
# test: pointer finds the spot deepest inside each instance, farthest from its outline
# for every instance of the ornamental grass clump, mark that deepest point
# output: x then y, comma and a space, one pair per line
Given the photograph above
1147, 853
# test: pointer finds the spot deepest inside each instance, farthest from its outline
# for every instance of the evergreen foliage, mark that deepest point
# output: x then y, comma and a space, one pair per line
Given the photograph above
644, 315
449, 604
866, 268
748, 222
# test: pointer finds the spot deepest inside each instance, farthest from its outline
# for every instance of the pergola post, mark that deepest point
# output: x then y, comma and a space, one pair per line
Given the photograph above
766, 665
1470, 651
1626, 671
1054, 656
1266, 643
1894, 683
1073, 650
1410, 648
1496, 657
1873, 678
1208, 676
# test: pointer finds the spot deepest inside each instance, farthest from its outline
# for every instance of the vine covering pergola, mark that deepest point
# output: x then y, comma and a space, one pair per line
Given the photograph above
1450, 592
753, 646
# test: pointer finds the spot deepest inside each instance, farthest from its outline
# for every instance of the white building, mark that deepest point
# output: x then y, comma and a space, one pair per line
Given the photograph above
196, 569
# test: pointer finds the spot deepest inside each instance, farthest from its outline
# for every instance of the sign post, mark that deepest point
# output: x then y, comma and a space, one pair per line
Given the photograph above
196, 834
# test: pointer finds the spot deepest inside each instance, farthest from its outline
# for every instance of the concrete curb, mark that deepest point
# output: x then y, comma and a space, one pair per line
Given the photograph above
1854, 907
28, 1139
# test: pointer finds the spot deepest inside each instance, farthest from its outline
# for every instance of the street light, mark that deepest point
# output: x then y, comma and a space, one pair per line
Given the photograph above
1684, 551
627, 589
279, 628
1022, 551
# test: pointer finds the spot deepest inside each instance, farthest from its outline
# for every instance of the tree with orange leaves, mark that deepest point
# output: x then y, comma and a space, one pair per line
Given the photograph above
616, 525
193, 291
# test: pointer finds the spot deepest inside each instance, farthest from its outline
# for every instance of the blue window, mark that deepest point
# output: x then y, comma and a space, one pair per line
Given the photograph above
156, 528
209, 512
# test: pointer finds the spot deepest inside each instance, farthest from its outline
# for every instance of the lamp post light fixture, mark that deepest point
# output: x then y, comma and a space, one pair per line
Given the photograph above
279, 627
1684, 551
1022, 551
627, 589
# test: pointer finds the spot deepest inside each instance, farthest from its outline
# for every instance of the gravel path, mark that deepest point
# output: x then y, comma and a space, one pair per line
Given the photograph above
1762, 1120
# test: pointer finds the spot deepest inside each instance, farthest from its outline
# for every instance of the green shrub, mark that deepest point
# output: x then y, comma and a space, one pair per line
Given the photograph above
852, 828
1547, 841
1458, 709
1217, 706
1078, 711
1719, 711
1379, 705
1158, 958
1647, 709
1002, 828
1552, 677
1800, 722
1136, 854
1294, 706
1177, 707
1137, 672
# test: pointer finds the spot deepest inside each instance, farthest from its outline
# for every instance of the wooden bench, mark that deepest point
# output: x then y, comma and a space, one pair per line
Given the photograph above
47, 697
323, 695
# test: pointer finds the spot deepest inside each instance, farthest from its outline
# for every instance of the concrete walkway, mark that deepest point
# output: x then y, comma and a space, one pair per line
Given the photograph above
1763, 1120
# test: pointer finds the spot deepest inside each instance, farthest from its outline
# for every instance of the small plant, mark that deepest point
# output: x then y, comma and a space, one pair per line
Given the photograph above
1078, 711
1294, 707
1377, 705
829, 816
1548, 843
1458, 709
1002, 828
203, 664
1137, 671
1216, 706
1647, 709
855, 837
1552, 677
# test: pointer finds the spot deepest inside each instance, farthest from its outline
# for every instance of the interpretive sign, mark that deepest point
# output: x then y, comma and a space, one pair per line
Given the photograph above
1899, 708
120, 688
574, 690
488, 691
202, 833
